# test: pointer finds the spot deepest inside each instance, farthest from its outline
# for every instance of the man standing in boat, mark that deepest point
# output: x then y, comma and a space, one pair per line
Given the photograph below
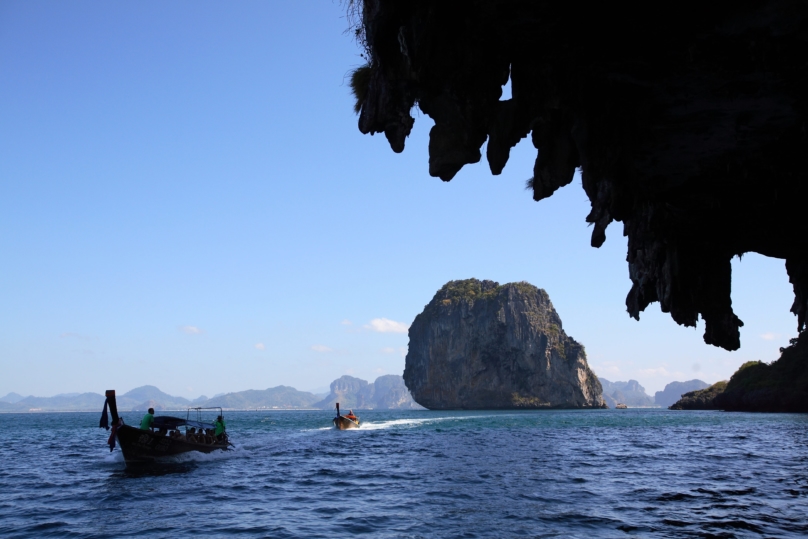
148, 420
219, 426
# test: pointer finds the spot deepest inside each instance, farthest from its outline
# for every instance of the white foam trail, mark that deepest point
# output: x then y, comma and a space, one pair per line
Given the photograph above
410, 422
116, 457
196, 456
413, 422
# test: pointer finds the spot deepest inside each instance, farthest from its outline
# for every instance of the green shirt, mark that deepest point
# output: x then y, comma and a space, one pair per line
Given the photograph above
219, 427
147, 422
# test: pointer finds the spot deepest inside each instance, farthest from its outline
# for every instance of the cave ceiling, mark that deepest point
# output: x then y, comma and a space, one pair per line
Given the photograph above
687, 121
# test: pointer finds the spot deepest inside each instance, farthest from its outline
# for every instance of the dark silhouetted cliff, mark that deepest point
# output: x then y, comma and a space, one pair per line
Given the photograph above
687, 119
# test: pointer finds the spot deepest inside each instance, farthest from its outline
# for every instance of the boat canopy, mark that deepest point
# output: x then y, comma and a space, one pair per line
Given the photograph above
169, 422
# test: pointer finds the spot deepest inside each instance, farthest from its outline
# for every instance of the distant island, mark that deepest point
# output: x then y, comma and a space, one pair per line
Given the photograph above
633, 395
481, 345
630, 393
387, 392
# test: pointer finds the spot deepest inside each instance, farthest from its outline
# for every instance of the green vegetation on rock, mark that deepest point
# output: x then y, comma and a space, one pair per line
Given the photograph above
360, 80
781, 386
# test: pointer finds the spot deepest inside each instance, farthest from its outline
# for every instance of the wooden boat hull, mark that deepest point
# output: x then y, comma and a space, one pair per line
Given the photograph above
343, 423
143, 446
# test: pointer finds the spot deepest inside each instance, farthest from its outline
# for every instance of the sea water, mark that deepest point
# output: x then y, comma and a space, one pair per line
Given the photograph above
587, 474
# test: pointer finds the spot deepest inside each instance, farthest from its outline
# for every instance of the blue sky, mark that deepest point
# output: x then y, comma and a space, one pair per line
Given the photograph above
185, 201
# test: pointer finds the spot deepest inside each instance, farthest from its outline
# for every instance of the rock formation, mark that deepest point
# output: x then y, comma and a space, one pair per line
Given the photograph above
630, 393
701, 399
674, 391
387, 392
346, 390
479, 345
390, 392
687, 119
781, 386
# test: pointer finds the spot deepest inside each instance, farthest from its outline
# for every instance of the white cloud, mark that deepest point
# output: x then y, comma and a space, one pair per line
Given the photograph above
191, 330
385, 325
388, 350
659, 371
321, 348
769, 336
260, 346
605, 368
346, 322
662, 372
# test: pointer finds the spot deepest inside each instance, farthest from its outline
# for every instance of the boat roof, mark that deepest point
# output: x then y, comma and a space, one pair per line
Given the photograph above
171, 422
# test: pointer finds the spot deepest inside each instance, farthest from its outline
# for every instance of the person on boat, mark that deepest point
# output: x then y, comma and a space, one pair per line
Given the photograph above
148, 420
218, 433
351, 415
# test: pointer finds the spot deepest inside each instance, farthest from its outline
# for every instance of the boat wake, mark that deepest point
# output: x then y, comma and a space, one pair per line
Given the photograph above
196, 456
410, 422
413, 422
116, 457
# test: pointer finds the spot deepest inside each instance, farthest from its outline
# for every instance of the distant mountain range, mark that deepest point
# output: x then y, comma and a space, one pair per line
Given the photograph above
632, 394
11, 398
387, 392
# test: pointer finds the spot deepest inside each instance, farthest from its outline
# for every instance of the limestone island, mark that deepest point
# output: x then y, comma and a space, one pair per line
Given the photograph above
482, 345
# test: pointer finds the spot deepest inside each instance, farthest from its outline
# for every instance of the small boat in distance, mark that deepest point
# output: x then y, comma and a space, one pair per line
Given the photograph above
621, 406
164, 439
343, 422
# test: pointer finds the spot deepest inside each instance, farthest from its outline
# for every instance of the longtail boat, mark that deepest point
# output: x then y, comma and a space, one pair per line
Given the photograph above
166, 437
343, 422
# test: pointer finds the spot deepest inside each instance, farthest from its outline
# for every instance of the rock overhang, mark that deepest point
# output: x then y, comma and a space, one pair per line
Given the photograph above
689, 128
